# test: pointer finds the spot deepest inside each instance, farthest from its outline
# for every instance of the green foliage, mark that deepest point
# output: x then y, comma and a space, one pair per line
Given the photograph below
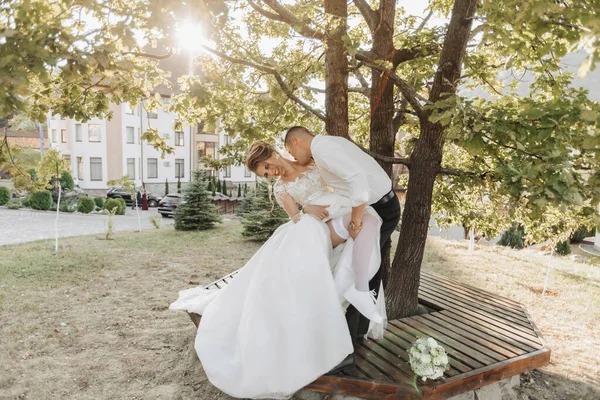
5, 195
26, 201
86, 205
239, 194
67, 206
41, 200
50, 169
582, 233
166, 187
198, 212
563, 248
66, 181
115, 204
13, 206
261, 215
99, 202
513, 237
156, 221
218, 187
178, 185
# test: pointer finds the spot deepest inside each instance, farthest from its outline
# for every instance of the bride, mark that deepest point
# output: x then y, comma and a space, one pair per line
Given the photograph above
279, 324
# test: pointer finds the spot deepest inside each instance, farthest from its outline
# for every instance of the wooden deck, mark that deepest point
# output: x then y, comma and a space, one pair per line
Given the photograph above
487, 337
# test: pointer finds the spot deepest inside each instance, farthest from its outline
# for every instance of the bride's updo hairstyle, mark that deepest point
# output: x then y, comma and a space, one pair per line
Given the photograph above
259, 151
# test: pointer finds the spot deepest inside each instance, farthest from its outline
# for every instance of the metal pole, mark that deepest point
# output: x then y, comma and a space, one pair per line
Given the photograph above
141, 143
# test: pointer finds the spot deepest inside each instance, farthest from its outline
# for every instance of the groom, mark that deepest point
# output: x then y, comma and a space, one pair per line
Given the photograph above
352, 173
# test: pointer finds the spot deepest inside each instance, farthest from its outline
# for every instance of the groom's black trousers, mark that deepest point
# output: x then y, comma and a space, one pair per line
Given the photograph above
389, 211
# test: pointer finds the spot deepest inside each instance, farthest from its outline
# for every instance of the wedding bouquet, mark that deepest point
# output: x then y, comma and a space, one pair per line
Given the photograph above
428, 359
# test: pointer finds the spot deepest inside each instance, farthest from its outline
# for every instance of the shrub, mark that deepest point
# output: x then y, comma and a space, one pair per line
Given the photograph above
112, 204
99, 202
178, 185
66, 181
261, 215
41, 200
26, 202
13, 206
198, 212
166, 187
122, 206
513, 237
85, 205
67, 206
563, 248
4, 195
582, 233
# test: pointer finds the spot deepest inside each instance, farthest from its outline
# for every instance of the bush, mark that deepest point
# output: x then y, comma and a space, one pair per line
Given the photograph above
41, 200
4, 195
99, 202
66, 181
112, 204
13, 206
198, 212
85, 205
513, 237
122, 206
582, 233
261, 215
26, 202
67, 206
563, 248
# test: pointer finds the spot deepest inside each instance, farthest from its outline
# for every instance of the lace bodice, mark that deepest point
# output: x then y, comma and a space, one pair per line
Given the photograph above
304, 189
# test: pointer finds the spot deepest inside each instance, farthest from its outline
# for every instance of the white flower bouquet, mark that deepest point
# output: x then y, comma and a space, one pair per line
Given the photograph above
428, 359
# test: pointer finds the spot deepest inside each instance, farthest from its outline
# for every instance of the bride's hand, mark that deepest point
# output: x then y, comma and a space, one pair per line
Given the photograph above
317, 211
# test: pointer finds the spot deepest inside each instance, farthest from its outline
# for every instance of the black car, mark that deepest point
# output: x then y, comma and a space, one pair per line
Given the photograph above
115, 193
167, 207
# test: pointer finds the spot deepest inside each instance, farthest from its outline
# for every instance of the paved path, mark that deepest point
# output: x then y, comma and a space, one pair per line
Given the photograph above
26, 225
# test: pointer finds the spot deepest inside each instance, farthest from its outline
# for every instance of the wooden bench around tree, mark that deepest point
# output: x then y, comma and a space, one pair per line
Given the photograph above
488, 338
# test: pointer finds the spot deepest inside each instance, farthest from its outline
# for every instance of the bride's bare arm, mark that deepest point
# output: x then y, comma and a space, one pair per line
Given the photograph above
289, 205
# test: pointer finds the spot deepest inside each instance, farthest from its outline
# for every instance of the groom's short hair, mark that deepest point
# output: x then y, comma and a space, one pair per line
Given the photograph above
295, 131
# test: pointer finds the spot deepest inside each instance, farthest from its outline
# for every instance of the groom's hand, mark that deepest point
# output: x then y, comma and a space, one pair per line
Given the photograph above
317, 211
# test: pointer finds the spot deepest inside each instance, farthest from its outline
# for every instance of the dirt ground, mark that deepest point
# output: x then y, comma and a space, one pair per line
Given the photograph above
92, 322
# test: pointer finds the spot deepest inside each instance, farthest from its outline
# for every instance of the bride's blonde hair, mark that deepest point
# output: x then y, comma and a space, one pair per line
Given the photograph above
258, 152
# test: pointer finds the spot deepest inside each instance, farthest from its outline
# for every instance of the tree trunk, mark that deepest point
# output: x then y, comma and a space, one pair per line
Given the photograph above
382, 132
56, 220
336, 70
404, 277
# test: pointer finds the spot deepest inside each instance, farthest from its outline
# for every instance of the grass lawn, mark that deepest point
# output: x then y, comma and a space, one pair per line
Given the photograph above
92, 322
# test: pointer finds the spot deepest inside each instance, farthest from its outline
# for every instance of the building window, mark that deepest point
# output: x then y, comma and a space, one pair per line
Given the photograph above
247, 172
152, 115
130, 134
206, 149
226, 140
129, 109
227, 172
208, 172
78, 135
54, 138
131, 168
95, 168
179, 168
94, 133
63, 136
152, 168
178, 138
80, 168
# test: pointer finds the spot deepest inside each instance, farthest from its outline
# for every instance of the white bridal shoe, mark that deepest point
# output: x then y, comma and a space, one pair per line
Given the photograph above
364, 303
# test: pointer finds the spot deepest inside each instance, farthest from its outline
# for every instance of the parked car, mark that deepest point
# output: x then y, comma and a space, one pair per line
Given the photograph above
167, 207
115, 193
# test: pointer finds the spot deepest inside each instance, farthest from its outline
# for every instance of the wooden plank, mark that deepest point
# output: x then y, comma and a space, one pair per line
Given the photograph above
454, 363
450, 330
474, 350
473, 319
456, 350
465, 294
365, 389
466, 285
457, 301
535, 328
396, 363
360, 357
481, 295
474, 311
485, 333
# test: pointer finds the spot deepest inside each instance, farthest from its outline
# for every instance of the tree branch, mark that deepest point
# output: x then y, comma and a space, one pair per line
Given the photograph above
284, 87
265, 13
366, 91
295, 23
371, 17
149, 55
407, 90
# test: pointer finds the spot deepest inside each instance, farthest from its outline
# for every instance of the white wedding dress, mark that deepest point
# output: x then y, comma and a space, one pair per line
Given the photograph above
279, 324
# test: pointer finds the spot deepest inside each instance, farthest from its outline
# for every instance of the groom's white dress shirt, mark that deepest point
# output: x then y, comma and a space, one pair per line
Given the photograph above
349, 171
